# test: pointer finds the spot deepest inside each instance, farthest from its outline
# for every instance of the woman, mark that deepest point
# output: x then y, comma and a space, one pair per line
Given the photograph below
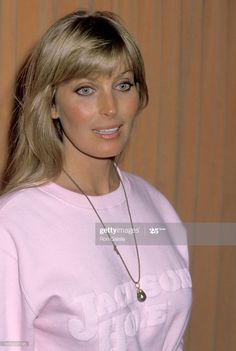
84, 87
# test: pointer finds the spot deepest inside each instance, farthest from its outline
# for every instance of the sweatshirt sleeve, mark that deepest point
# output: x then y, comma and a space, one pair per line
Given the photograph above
16, 316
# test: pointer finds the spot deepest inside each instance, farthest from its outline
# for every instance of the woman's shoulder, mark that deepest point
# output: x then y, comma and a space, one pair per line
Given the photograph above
10, 198
149, 193
142, 185
136, 180
18, 198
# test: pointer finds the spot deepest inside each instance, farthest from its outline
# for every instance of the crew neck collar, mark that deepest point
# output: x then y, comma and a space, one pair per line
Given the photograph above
110, 199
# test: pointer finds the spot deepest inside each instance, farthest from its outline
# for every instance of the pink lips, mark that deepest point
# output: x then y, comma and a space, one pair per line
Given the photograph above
107, 133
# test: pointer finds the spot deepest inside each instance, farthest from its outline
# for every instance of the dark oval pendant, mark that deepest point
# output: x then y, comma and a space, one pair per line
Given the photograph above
141, 296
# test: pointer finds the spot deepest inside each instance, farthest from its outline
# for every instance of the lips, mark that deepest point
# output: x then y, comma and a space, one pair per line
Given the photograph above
107, 131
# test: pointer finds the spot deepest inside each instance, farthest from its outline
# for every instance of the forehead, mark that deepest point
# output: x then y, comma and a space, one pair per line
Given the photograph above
118, 70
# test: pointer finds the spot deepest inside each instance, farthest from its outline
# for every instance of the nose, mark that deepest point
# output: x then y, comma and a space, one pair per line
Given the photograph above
107, 104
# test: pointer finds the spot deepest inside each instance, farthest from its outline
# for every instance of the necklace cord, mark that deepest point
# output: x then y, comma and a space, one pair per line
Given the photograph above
136, 282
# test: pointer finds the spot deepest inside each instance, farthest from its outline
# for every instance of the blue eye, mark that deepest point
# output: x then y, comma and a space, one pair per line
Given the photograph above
125, 86
84, 91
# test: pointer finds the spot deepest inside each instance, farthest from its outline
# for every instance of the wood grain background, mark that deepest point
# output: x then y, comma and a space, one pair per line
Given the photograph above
184, 142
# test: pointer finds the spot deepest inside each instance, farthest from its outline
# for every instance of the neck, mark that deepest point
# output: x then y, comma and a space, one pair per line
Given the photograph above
96, 177
93, 175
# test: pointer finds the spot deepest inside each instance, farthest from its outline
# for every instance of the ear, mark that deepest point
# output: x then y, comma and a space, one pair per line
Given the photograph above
54, 113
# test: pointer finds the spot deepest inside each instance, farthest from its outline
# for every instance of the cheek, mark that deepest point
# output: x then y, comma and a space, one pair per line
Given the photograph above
75, 113
132, 107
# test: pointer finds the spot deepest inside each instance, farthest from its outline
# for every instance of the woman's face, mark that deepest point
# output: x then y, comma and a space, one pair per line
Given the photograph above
97, 114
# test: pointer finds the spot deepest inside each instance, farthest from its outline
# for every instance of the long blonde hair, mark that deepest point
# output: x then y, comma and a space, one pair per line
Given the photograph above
77, 45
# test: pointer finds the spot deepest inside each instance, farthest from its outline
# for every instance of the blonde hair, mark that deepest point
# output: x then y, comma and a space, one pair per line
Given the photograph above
78, 45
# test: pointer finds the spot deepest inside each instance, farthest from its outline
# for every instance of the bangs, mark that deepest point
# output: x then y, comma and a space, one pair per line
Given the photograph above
94, 62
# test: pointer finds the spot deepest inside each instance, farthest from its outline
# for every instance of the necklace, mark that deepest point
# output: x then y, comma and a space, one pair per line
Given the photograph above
141, 296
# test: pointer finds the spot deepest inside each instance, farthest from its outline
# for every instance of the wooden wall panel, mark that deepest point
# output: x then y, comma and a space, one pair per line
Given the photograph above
64, 7
7, 68
189, 108
226, 310
212, 113
185, 140
228, 202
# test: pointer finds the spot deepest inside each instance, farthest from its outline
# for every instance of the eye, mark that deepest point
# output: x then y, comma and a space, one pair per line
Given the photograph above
125, 86
85, 91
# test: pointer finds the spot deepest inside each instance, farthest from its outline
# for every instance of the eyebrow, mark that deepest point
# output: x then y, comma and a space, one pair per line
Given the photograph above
91, 77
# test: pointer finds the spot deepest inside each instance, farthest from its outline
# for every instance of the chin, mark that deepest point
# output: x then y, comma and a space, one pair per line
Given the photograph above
107, 156
111, 153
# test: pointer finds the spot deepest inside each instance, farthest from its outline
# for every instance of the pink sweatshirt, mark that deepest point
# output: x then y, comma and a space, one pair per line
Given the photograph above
60, 291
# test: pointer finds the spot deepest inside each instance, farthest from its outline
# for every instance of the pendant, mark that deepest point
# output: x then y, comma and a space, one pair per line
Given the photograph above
141, 296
